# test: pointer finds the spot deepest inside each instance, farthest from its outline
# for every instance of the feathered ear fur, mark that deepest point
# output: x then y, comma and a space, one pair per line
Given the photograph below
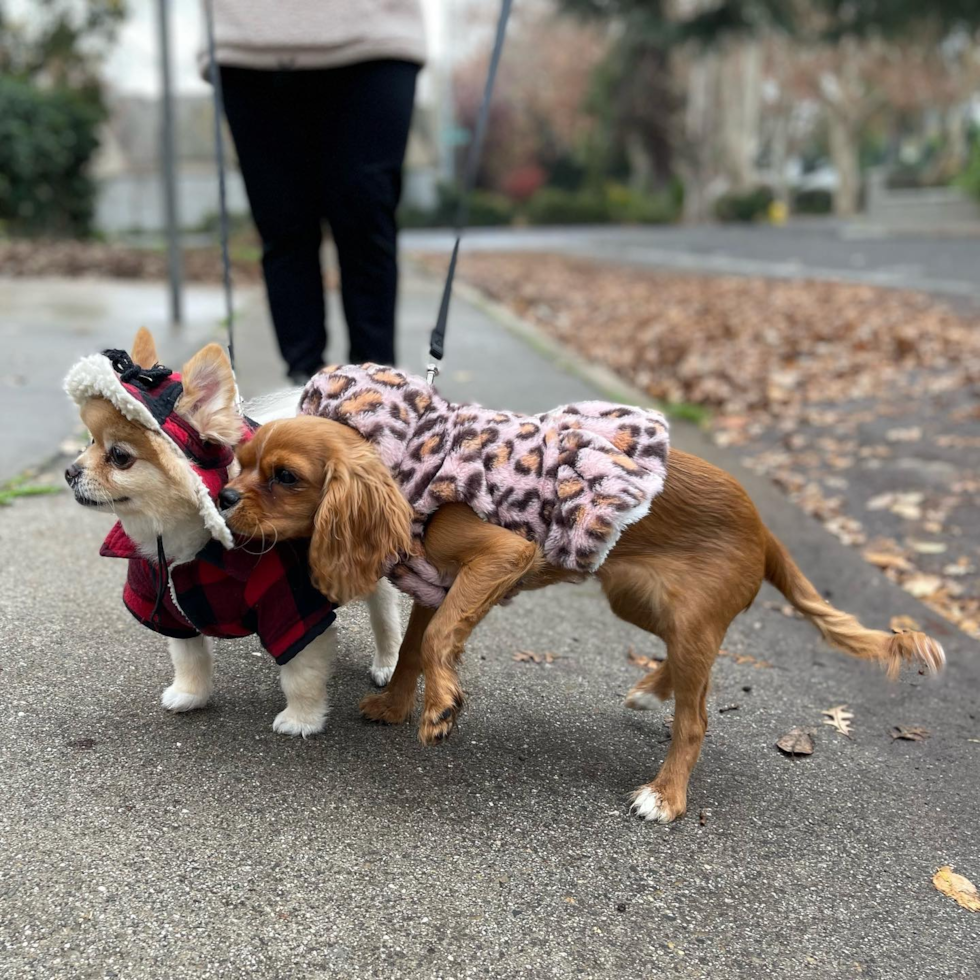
144, 349
208, 400
363, 521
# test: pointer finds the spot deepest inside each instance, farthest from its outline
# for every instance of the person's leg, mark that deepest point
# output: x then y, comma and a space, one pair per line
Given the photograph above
269, 116
364, 136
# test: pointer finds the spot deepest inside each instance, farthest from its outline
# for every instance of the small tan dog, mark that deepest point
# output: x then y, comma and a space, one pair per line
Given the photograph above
682, 572
161, 446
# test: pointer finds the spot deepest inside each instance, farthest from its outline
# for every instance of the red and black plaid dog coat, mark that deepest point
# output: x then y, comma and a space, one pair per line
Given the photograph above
221, 593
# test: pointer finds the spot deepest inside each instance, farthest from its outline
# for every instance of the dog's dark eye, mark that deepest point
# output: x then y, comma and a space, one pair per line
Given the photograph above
120, 458
286, 477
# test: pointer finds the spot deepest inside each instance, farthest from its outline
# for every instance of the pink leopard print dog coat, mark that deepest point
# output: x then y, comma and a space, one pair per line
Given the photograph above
570, 479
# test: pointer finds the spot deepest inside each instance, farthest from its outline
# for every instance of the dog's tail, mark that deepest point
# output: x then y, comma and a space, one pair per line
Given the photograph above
842, 630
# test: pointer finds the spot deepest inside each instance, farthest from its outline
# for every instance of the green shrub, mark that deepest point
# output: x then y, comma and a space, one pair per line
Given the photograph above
47, 139
552, 206
969, 179
628, 207
748, 206
816, 201
485, 209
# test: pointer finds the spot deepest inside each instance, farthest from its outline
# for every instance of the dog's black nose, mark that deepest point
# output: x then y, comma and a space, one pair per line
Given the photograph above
73, 473
228, 498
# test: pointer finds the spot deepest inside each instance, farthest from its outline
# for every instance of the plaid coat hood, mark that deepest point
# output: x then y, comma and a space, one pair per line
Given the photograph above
220, 593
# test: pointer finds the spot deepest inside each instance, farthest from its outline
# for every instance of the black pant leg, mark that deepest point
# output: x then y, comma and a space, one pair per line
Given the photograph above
364, 138
272, 119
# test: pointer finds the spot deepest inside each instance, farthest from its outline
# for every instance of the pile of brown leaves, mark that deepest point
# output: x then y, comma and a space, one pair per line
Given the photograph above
796, 374
75, 259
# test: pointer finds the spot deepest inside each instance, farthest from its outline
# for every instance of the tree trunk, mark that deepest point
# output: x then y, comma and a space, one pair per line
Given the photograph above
844, 140
640, 161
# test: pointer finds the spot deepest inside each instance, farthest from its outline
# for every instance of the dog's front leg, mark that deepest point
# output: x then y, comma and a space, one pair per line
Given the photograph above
304, 682
193, 674
387, 627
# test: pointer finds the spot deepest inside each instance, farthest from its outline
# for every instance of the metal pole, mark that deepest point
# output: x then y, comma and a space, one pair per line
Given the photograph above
168, 158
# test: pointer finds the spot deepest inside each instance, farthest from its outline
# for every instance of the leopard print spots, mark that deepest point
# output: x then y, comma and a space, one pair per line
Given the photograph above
467, 418
620, 412
570, 488
429, 447
546, 510
389, 377
550, 437
311, 403
399, 412
419, 400
599, 528
500, 418
472, 487
338, 384
523, 502
530, 462
361, 401
444, 490
527, 431
500, 456
329, 369
625, 462
625, 440
475, 444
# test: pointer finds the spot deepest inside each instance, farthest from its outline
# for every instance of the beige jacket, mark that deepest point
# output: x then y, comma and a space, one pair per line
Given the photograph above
314, 33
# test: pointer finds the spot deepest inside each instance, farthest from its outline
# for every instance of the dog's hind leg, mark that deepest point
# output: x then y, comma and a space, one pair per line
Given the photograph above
193, 674
679, 602
387, 628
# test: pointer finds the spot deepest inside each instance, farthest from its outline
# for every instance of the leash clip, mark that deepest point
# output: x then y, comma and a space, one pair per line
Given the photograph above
431, 372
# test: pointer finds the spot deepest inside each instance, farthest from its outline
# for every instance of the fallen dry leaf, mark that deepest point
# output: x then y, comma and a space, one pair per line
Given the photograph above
901, 624
839, 719
910, 734
928, 547
796, 742
639, 660
886, 559
526, 656
745, 659
911, 434
921, 586
960, 889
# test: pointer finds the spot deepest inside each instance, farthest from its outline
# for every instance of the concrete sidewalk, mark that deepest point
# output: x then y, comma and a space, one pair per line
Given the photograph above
137, 844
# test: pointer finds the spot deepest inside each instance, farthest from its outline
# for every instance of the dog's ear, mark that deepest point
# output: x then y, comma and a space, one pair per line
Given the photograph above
144, 349
208, 399
362, 522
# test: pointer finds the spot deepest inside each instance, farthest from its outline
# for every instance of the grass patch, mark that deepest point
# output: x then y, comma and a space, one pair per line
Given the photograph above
20, 486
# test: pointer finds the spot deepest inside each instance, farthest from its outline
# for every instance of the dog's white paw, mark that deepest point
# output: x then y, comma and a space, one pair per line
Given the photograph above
648, 805
381, 674
641, 700
174, 699
294, 721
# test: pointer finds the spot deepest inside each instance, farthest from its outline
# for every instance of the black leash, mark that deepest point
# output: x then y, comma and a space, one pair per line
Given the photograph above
214, 73
437, 339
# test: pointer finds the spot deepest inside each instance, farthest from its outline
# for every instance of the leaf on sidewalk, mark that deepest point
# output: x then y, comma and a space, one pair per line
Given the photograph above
639, 660
909, 734
796, 742
901, 624
839, 719
745, 659
922, 586
527, 656
958, 888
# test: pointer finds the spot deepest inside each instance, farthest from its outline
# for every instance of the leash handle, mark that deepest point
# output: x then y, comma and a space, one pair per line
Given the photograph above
437, 339
214, 74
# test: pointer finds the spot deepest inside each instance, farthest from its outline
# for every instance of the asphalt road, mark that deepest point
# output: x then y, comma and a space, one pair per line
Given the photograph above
136, 844
820, 249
